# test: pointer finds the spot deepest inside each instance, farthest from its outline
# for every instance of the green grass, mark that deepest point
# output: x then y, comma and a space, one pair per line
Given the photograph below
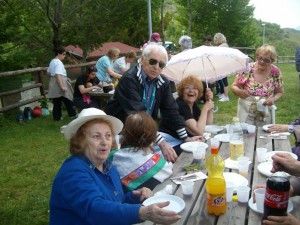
32, 152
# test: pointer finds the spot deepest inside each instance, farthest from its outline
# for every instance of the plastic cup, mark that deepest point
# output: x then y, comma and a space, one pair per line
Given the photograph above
261, 154
243, 165
229, 191
251, 129
187, 187
214, 142
259, 197
243, 194
199, 153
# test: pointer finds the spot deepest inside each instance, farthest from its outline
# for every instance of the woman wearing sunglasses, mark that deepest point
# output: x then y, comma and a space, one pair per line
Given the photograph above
263, 82
144, 88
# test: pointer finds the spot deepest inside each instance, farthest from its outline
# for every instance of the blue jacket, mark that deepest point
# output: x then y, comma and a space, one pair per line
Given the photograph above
82, 195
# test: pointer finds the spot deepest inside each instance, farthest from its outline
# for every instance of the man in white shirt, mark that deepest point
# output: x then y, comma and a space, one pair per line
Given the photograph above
122, 64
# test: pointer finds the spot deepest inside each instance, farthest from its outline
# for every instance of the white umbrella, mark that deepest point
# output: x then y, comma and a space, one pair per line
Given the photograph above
207, 63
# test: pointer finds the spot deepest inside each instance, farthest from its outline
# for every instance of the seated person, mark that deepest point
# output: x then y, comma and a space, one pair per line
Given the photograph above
87, 187
84, 84
294, 128
122, 64
190, 90
137, 163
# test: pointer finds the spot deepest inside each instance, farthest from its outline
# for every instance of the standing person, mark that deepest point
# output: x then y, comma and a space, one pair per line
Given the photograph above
207, 40
60, 89
220, 40
185, 43
137, 163
155, 37
263, 80
144, 88
297, 59
87, 187
122, 64
84, 84
105, 71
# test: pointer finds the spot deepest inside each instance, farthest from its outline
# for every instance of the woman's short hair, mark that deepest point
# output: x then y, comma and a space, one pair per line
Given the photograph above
60, 50
154, 47
131, 55
79, 141
267, 49
186, 42
190, 80
113, 52
139, 131
219, 39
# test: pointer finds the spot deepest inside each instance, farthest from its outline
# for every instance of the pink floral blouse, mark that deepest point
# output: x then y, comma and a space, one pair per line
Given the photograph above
246, 81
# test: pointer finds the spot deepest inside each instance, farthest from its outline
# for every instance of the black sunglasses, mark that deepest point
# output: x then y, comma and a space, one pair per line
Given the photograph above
153, 62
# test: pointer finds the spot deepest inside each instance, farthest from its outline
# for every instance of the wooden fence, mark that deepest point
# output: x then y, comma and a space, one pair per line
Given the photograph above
11, 99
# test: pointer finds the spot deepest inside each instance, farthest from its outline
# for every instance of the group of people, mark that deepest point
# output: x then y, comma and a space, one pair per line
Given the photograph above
103, 178
107, 70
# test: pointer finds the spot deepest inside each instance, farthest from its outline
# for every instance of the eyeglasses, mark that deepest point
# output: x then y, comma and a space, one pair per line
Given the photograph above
153, 62
265, 60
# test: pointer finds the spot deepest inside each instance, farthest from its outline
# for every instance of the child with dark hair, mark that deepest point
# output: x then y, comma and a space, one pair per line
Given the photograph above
137, 163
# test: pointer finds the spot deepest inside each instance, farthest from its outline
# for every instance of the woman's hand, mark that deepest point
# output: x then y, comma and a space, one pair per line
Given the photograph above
242, 93
285, 220
285, 162
168, 152
209, 95
208, 106
277, 128
156, 214
143, 193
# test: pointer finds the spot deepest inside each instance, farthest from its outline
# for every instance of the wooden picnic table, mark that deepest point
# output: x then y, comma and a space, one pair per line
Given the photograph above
101, 97
195, 211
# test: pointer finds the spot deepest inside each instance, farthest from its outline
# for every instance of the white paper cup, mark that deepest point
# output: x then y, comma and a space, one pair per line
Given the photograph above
261, 154
214, 142
243, 194
229, 191
243, 165
187, 187
251, 129
259, 197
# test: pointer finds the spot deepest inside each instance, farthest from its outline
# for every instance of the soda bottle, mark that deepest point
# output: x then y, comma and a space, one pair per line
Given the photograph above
215, 183
277, 195
236, 141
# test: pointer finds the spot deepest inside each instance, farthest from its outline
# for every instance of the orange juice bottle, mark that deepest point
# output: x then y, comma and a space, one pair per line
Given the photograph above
215, 183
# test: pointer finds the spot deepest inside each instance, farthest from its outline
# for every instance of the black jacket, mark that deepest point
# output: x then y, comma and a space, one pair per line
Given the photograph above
128, 98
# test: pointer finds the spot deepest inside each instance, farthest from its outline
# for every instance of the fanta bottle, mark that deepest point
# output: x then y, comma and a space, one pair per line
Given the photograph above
215, 183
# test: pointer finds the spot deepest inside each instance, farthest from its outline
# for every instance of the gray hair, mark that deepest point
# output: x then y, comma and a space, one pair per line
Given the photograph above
219, 39
186, 42
155, 47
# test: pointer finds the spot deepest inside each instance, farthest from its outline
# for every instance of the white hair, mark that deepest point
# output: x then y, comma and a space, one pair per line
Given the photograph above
186, 42
151, 47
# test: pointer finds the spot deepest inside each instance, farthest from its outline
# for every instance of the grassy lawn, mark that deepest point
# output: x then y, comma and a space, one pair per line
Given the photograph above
32, 152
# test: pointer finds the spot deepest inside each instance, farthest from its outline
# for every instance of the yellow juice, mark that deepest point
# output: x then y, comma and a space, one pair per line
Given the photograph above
236, 149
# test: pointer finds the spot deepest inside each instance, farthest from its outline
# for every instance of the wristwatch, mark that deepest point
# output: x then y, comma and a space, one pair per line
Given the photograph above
291, 128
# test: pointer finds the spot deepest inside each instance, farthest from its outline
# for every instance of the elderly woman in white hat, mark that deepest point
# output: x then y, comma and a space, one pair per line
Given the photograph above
87, 188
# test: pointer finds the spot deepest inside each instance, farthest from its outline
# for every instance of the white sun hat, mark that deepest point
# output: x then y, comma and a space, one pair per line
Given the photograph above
89, 114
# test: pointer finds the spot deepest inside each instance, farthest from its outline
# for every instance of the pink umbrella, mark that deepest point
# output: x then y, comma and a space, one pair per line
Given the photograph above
207, 63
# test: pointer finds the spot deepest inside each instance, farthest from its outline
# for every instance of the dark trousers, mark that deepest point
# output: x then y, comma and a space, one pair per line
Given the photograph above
79, 103
57, 108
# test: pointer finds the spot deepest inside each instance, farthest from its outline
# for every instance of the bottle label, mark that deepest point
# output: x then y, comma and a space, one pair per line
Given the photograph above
276, 199
216, 200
